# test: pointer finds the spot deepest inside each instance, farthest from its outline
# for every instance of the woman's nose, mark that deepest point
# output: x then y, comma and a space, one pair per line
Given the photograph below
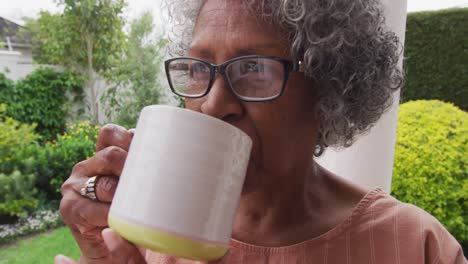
220, 102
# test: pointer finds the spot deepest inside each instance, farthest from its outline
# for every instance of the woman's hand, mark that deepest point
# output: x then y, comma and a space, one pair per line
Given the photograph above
87, 219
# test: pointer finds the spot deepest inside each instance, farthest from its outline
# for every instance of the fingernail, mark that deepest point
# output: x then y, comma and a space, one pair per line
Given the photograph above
61, 259
111, 239
82, 230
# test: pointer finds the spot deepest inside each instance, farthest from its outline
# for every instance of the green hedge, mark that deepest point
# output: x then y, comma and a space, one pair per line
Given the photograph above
436, 52
431, 162
42, 98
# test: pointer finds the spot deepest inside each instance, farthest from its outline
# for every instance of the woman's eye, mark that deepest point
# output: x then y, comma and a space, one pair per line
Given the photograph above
199, 71
199, 67
252, 67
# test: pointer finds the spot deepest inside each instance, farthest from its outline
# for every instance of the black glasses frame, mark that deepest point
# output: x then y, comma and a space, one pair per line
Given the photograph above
288, 65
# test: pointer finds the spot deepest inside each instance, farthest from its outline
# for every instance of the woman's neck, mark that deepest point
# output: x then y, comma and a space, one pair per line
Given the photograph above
275, 212
286, 213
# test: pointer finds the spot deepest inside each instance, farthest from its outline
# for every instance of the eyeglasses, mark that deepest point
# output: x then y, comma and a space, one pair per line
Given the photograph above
251, 78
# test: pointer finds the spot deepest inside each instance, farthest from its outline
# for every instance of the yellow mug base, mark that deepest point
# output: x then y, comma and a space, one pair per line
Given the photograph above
165, 242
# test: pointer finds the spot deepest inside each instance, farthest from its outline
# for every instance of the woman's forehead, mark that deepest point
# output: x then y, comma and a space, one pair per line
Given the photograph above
219, 13
235, 25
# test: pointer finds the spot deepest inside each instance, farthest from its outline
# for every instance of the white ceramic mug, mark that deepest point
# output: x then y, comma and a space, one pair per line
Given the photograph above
181, 183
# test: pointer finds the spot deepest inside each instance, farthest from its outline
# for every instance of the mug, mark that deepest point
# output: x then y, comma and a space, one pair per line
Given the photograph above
181, 183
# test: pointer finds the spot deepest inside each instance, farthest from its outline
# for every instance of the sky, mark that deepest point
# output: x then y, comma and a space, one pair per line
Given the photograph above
16, 9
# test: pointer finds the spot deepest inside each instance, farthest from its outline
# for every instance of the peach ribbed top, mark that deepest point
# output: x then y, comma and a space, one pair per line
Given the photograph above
380, 230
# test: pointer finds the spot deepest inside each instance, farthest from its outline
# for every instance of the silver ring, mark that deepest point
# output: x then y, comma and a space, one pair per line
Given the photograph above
89, 190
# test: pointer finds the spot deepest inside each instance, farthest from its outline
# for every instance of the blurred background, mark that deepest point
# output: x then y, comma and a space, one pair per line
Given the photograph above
67, 67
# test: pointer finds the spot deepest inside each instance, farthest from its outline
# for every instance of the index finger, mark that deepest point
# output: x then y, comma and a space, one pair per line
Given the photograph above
113, 135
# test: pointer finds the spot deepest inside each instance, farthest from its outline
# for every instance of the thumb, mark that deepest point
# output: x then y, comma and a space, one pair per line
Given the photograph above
121, 250
61, 259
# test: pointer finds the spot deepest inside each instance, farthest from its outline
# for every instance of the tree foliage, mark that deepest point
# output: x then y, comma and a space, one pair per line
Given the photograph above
96, 36
136, 78
49, 36
86, 33
87, 37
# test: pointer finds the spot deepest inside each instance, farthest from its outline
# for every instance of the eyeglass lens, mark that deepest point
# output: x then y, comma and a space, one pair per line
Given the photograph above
249, 77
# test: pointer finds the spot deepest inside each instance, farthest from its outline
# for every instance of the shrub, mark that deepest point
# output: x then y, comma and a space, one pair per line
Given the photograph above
436, 56
54, 161
15, 137
42, 98
16, 194
7, 88
431, 160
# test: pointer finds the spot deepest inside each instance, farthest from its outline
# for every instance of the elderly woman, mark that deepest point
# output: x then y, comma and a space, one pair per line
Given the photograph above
297, 76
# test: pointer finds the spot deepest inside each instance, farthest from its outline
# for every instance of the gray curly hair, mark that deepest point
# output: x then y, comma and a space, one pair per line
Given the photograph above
346, 50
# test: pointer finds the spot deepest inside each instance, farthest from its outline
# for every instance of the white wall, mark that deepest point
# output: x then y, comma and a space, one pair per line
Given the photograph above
16, 65
369, 162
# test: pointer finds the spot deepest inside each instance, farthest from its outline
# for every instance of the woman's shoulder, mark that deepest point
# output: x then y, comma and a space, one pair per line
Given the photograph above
384, 210
409, 228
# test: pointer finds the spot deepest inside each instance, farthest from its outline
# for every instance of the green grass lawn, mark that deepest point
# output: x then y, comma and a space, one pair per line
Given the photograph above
41, 248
